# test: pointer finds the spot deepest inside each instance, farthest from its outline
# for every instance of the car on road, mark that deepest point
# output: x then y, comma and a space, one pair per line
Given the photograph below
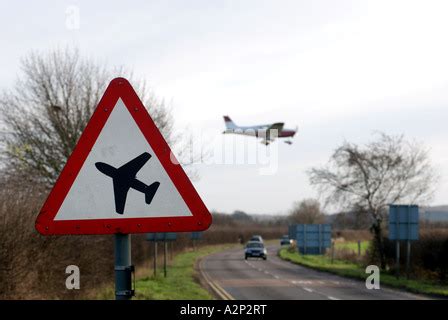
285, 241
255, 249
256, 238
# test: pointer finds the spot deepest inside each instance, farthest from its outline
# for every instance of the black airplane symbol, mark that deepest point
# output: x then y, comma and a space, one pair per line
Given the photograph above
124, 179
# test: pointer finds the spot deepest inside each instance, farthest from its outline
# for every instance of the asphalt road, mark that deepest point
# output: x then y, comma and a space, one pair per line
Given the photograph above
276, 279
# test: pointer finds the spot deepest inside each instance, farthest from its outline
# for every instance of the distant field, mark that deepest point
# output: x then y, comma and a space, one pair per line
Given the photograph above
353, 270
353, 246
180, 283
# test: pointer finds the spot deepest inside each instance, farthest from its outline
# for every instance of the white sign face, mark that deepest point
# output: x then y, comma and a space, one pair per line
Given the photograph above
92, 195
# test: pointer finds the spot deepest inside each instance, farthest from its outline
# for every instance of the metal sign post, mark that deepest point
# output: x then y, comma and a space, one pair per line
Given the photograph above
123, 267
408, 246
155, 259
194, 237
332, 252
165, 248
408, 258
397, 258
320, 239
304, 239
359, 248
164, 237
397, 247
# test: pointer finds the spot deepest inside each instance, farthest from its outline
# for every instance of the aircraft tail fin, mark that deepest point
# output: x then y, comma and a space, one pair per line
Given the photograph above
229, 123
150, 191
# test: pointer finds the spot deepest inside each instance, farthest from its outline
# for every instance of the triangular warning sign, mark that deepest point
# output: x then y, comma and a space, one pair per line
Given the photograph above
122, 177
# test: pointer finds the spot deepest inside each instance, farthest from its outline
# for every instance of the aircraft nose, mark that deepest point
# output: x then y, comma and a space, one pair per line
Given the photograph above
105, 168
100, 166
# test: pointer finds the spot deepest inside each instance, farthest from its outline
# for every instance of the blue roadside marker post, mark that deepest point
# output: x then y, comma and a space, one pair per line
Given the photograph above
123, 268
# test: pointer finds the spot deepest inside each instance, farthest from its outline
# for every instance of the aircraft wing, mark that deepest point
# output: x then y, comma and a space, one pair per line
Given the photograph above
275, 126
120, 194
131, 168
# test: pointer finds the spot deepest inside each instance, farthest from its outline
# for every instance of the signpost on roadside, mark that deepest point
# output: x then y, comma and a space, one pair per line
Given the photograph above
158, 237
332, 252
403, 225
122, 178
195, 236
155, 259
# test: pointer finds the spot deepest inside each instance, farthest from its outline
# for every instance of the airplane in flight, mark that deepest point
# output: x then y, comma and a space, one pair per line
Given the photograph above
268, 132
124, 178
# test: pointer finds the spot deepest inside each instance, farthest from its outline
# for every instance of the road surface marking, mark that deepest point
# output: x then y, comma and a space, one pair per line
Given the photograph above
223, 294
307, 289
332, 298
302, 282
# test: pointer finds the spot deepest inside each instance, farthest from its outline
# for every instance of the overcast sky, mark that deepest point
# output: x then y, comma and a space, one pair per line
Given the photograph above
337, 69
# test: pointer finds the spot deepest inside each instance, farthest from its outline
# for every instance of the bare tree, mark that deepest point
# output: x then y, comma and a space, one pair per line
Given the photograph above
307, 211
46, 111
388, 170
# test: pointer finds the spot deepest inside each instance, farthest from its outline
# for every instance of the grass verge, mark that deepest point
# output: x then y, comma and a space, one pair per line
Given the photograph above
181, 281
353, 246
352, 270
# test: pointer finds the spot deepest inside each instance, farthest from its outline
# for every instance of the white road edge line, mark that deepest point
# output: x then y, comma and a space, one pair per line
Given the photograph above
307, 289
